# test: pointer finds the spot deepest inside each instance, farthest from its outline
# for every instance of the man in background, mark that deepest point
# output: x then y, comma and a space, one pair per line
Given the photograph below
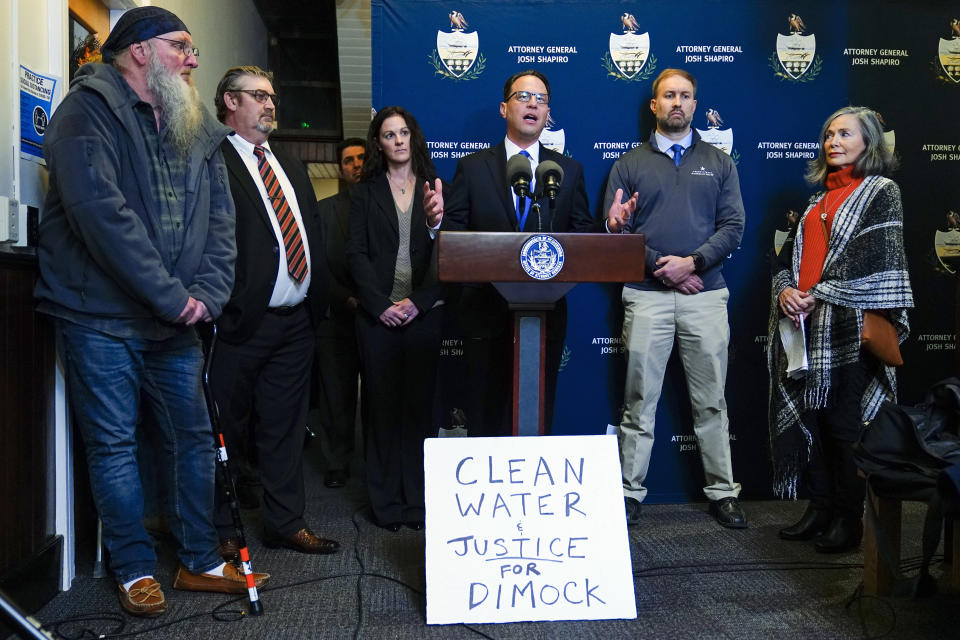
338, 359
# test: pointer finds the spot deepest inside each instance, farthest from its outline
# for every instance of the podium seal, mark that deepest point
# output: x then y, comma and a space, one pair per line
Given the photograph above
541, 257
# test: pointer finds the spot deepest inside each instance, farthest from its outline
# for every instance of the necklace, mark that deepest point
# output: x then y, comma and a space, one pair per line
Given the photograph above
403, 187
823, 210
839, 201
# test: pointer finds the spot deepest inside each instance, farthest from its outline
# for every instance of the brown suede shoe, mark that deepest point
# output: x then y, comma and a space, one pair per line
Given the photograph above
304, 541
229, 550
144, 599
233, 580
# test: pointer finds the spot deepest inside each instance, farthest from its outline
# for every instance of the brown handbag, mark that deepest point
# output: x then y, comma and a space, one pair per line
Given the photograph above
879, 337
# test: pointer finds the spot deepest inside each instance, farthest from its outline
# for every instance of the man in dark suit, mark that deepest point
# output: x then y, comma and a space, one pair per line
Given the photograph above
264, 350
481, 200
338, 359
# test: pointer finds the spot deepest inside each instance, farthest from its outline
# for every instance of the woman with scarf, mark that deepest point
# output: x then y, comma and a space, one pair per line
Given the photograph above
389, 251
844, 257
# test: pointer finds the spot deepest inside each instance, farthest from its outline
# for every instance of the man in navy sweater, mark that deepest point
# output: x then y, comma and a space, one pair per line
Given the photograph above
686, 200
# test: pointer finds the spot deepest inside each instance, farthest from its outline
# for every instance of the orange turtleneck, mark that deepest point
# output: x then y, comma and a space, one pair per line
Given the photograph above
840, 184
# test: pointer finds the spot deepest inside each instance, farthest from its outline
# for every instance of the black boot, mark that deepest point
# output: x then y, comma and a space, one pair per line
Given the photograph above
844, 534
846, 527
813, 522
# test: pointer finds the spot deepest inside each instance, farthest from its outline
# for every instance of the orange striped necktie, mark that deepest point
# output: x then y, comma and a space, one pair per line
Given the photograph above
292, 242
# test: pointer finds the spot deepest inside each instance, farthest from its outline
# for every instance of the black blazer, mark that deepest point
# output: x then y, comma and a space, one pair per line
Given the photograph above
258, 252
374, 241
334, 223
480, 201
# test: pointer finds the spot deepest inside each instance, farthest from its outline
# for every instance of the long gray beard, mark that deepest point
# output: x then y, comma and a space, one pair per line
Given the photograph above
179, 103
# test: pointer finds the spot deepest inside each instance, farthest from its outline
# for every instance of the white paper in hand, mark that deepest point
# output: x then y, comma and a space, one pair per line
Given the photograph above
795, 346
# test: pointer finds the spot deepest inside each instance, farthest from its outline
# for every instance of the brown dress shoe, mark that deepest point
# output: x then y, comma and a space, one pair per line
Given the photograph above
304, 541
229, 550
145, 598
232, 581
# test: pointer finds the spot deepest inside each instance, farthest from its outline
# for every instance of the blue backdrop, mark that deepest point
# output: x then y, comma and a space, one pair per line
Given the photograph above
447, 61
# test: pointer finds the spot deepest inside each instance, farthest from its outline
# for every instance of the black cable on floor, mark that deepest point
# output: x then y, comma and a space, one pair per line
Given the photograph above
363, 570
859, 597
220, 613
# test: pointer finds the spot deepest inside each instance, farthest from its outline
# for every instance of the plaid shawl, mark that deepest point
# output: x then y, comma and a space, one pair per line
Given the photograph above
865, 268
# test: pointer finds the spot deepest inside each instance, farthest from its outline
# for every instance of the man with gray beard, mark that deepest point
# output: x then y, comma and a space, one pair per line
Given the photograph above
136, 246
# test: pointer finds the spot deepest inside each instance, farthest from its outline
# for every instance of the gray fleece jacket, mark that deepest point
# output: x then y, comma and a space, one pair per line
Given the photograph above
100, 252
694, 207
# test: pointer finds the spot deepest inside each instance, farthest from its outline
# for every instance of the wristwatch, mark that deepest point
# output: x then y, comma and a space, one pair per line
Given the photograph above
698, 262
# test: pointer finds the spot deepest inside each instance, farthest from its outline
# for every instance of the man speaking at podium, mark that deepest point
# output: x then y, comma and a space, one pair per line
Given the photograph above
483, 200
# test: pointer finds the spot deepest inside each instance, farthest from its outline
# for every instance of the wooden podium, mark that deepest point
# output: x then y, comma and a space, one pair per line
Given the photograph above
473, 256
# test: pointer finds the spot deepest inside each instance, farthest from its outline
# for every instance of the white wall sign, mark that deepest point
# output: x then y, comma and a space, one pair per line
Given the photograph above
526, 529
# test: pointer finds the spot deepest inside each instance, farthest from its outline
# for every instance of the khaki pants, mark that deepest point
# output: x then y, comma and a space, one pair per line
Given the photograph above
651, 322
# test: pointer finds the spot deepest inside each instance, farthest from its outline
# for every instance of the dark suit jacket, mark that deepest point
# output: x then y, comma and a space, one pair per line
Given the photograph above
258, 251
373, 244
334, 224
480, 201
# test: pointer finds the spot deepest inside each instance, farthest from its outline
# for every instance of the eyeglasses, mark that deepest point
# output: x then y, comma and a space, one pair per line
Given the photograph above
524, 96
182, 45
259, 95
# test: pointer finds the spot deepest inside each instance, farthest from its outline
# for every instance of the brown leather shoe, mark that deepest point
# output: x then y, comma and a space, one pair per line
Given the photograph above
304, 541
229, 550
233, 580
145, 598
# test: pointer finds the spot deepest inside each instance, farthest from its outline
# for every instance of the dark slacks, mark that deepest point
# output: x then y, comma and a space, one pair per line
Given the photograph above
399, 373
831, 474
338, 368
268, 376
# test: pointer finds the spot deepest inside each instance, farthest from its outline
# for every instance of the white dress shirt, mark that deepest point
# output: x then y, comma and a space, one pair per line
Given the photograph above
286, 291
534, 151
664, 143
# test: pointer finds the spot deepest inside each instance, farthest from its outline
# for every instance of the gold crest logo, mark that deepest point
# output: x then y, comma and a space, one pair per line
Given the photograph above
795, 58
628, 56
457, 55
948, 55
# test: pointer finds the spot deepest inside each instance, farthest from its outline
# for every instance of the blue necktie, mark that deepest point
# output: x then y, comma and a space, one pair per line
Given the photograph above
522, 215
677, 154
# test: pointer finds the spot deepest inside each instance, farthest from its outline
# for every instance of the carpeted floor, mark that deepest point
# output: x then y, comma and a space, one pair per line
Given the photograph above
693, 579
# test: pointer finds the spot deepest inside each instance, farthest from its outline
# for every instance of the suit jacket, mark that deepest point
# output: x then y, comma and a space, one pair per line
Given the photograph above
373, 243
258, 251
334, 223
480, 201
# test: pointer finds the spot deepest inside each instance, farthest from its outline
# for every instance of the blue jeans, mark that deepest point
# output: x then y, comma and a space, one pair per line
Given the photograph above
105, 379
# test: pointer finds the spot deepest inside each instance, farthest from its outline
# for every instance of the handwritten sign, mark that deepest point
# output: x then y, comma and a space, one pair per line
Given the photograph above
526, 529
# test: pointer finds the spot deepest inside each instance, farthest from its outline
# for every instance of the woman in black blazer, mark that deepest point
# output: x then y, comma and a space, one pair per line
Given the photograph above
390, 253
